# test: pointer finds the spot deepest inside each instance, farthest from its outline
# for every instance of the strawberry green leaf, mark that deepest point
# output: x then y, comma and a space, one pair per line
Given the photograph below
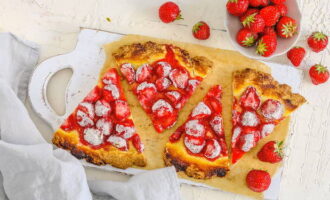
320, 69
319, 36
289, 29
261, 48
249, 41
179, 17
197, 26
249, 20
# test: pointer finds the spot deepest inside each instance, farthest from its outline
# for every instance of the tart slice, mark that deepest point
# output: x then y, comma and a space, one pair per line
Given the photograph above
260, 103
101, 129
163, 77
198, 147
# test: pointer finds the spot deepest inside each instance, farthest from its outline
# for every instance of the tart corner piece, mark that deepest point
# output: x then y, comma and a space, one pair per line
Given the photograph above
260, 103
162, 76
101, 129
198, 147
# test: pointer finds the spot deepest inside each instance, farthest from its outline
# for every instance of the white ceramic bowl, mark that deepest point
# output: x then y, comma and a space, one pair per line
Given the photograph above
233, 25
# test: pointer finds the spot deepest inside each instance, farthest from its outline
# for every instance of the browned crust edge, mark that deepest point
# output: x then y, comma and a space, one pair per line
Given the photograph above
192, 170
144, 51
116, 158
268, 86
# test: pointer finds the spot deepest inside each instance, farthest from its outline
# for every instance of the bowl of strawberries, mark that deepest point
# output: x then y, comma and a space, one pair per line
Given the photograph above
262, 29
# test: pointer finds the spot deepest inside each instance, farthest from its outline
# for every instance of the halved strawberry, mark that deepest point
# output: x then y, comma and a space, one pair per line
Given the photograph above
173, 96
163, 69
192, 85
125, 129
104, 125
121, 110
137, 143
272, 109
286, 27
162, 108
93, 95
250, 98
163, 83
111, 77
111, 92
179, 78
146, 92
212, 149
194, 144
102, 108
248, 139
201, 110
195, 128
118, 142
163, 123
128, 72
143, 73
217, 125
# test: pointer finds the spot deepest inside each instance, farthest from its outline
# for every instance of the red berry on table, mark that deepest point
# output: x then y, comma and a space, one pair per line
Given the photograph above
169, 12
255, 3
271, 152
258, 180
254, 22
247, 13
266, 45
282, 8
286, 27
201, 30
268, 30
296, 55
317, 41
270, 14
246, 38
237, 7
278, 1
319, 74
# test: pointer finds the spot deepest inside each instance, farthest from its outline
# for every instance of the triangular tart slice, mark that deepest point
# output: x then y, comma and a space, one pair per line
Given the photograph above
162, 76
259, 104
198, 147
101, 129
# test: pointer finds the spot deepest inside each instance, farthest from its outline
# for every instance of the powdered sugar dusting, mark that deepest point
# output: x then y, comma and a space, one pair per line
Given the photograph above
248, 142
166, 83
237, 131
166, 68
145, 85
89, 107
194, 128
273, 111
250, 119
216, 124
267, 129
117, 141
201, 108
114, 90
83, 120
104, 126
176, 95
193, 146
216, 151
126, 131
93, 136
161, 106
102, 108
192, 84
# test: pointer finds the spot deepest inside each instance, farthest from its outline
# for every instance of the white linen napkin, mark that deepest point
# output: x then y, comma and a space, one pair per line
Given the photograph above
29, 167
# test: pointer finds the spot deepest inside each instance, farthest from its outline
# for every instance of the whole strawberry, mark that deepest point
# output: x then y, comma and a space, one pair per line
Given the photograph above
169, 12
255, 3
318, 41
271, 152
201, 30
268, 30
258, 180
319, 74
296, 55
266, 45
278, 1
254, 22
237, 7
248, 13
282, 8
270, 14
246, 38
264, 3
286, 27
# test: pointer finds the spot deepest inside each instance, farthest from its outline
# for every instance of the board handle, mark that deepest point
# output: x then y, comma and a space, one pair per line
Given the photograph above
38, 87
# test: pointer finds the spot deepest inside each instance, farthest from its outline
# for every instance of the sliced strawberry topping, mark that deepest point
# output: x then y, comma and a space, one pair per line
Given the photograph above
85, 114
201, 111
195, 128
125, 130
250, 118
162, 108
102, 108
192, 85
235, 117
121, 110
93, 136
104, 125
217, 125
163, 69
214, 104
176, 135
137, 143
250, 98
111, 92
118, 142
111, 77
166, 122
181, 102
163, 83
266, 129
146, 93
68, 124
212, 149
93, 95
215, 92
143, 73
179, 78
128, 71
173, 96
249, 139
272, 109
236, 155
236, 135
194, 144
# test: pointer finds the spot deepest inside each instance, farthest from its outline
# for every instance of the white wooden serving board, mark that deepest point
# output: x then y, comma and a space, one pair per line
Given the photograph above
86, 60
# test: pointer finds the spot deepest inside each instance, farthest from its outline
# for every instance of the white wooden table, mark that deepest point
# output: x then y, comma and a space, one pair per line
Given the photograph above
54, 25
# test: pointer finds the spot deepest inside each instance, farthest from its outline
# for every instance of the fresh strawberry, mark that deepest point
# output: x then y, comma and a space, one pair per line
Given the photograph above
93, 95
296, 55
286, 27
255, 3
278, 1
169, 12
237, 7
121, 109
266, 45
319, 74
137, 143
246, 38
258, 180
282, 8
271, 152
128, 72
179, 78
270, 14
247, 13
201, 30
250, 99
268, 30
318, 41
254, 22
264, 3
